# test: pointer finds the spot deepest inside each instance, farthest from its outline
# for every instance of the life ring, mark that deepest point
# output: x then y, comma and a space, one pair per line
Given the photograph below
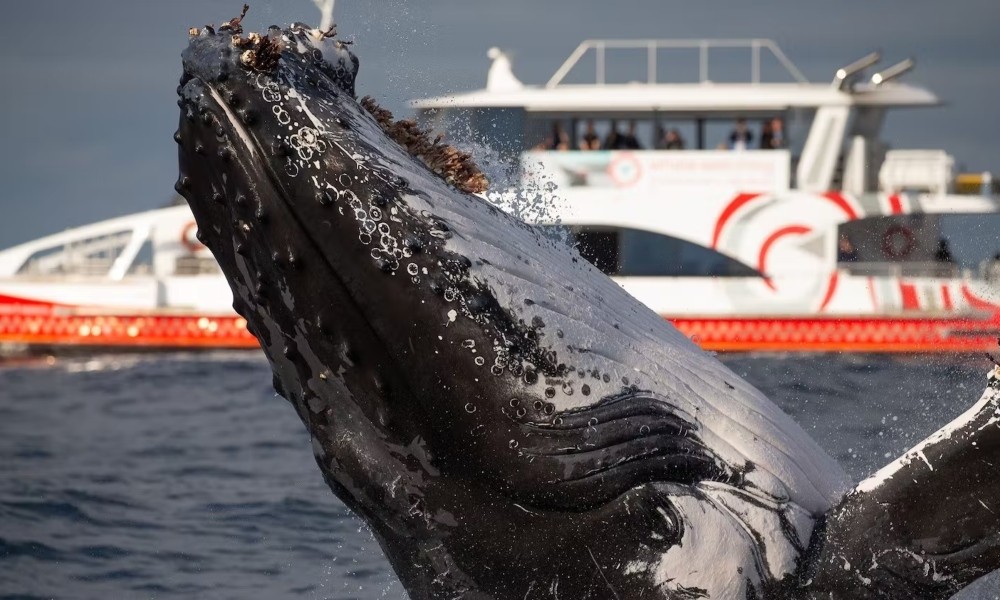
189, 238
891, 246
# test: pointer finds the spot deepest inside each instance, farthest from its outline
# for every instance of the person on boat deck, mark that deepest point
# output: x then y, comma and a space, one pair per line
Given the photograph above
772, 135
846, 252
612, 140
558, 140
740, 137
766, 133
622, 141
590, 140
943, 254
992, 268
630, 141
672, 140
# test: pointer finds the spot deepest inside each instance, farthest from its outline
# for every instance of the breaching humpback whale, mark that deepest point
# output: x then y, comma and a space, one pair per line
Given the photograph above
508, 420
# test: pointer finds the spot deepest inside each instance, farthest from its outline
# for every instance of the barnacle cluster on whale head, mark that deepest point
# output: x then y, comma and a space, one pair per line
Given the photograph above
450, 163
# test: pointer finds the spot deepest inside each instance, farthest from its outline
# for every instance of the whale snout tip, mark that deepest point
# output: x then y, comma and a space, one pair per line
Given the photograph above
212, 52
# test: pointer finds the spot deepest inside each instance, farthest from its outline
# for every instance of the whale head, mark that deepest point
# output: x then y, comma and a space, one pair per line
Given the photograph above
504, 416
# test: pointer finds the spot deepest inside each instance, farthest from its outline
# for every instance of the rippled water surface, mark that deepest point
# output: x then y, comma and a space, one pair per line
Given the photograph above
184, 476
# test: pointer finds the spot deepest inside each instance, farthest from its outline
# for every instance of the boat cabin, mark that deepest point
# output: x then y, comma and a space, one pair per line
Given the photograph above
718, 158
829, 133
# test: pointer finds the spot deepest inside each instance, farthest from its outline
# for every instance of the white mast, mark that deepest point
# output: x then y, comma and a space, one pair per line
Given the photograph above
326, 11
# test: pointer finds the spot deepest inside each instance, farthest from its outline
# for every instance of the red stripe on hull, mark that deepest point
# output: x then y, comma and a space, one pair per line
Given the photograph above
895, 204
122, 331
854, 334
781, 334
946, 298
839, 199
978, 303
727, 213
911, 300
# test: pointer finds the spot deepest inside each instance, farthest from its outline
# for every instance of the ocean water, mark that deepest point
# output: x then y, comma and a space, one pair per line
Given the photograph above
184, 476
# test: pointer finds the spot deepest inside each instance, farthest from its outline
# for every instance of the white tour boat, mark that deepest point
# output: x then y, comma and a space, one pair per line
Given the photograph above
141, 281
828, 241
825, 240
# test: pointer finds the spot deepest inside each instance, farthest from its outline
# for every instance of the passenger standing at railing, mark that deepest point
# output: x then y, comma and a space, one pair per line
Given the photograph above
943, 254
672, 140
740, 137
846, 252
590, 139
778, 140
629, 141
772, 135
766, 134
614, 138
559, 140
992, 269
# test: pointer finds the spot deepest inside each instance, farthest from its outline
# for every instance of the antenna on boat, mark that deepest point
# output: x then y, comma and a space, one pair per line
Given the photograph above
845, 75
326, 11
894, 71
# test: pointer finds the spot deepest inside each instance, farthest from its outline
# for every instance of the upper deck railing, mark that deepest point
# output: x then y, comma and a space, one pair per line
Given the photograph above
600, 47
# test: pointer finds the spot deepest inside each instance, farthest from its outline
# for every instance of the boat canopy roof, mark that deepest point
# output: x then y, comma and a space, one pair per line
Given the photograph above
703, 97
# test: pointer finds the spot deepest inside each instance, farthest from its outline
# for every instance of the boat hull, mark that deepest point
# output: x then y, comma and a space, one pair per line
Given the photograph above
41, 325
28, 324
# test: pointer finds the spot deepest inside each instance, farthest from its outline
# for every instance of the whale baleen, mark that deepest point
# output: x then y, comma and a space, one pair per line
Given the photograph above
509, 421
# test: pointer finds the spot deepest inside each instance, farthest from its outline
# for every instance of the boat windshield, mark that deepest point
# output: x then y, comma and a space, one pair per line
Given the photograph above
93, 256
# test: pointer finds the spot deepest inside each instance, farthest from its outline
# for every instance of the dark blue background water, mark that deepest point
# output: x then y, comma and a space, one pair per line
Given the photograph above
184, 476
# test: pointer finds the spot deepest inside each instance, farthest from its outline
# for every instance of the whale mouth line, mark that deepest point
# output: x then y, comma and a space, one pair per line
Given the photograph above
274, 182
271, 186
234, 123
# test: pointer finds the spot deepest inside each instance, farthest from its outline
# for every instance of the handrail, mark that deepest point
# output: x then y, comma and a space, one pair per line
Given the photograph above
928, 268
600, 48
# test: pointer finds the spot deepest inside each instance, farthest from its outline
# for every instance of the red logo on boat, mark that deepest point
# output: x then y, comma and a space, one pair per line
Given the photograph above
189, 237
625, 169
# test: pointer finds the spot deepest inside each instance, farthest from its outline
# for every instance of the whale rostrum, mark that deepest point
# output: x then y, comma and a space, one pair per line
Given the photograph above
508, 420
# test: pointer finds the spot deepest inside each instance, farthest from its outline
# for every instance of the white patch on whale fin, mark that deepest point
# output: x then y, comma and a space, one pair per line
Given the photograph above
699, 561
763, 521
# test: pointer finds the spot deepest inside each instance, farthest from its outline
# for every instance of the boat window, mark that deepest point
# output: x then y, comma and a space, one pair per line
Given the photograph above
663, 131
600, 247
931, 245
627, 252
92, 256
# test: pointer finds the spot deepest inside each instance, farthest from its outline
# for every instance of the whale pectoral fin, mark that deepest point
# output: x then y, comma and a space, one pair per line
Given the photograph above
586, 457
927, 524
